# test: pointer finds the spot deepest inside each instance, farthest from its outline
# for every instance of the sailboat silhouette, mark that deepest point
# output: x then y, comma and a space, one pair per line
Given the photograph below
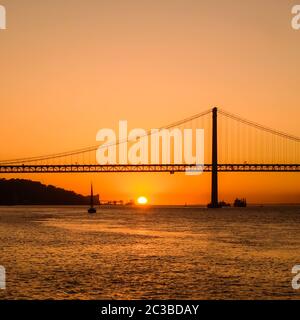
92, 209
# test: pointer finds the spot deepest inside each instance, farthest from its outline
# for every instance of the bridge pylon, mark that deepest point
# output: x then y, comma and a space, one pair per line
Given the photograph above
214, 174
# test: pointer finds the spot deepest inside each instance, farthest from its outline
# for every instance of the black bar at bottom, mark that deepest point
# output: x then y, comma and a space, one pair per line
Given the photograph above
143, 309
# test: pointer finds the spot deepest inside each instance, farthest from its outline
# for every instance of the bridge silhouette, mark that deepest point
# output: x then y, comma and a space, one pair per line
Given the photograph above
235, 145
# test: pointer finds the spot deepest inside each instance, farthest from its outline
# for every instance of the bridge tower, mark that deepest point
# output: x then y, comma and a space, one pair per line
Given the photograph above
214, 174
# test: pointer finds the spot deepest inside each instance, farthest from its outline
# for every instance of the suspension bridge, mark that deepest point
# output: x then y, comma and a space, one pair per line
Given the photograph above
234, 144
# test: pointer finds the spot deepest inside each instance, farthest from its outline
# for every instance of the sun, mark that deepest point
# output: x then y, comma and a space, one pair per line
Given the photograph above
142, 200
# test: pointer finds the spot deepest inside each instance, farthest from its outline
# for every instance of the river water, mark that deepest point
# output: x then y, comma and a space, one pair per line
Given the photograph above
149, 253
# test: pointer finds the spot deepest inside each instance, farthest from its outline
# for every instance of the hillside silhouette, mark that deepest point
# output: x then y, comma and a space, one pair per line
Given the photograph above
27, 192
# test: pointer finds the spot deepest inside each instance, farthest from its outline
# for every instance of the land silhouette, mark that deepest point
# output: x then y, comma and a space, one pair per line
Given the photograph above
28, 192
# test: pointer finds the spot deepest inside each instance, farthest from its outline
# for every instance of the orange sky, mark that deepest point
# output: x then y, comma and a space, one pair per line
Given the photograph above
69, 68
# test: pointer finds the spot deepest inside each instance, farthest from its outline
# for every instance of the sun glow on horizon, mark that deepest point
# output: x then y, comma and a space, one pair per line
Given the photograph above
142, 200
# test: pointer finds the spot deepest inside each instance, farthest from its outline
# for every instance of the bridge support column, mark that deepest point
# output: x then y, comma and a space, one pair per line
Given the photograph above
214, 175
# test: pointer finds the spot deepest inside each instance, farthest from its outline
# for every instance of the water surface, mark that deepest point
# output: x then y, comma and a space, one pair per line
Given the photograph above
149, 253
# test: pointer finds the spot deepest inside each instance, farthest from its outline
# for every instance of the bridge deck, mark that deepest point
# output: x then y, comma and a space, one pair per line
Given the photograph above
170, 168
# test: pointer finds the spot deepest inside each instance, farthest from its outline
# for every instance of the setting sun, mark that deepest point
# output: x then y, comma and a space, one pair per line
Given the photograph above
142, 200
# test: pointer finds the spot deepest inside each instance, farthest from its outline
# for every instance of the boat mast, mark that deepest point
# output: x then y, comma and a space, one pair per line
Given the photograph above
92, 197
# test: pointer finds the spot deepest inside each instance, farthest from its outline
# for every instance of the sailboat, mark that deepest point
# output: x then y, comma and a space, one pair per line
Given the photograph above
92, 209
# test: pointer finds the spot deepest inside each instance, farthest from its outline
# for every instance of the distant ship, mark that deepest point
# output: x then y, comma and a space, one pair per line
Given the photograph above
92, 209
240, 203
